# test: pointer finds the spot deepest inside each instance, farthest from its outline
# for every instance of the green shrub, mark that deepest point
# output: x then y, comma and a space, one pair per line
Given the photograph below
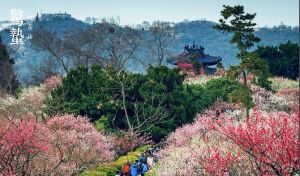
197, 99
264, 82
109, 170
221, 87
242, 96
135, 154
96, 93
228, 90
93, 173
102, 124
252, 64
79, 93
142, 149
259, 68
123, 159
150, 173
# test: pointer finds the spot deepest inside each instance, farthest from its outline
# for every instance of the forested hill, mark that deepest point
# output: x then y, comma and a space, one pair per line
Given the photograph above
215, 43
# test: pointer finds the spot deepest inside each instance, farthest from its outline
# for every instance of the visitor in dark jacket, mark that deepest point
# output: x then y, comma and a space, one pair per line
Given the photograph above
140, 167
143, 159
134, 169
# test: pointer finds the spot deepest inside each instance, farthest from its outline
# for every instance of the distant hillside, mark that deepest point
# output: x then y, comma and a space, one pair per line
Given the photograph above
215, 43
27, 55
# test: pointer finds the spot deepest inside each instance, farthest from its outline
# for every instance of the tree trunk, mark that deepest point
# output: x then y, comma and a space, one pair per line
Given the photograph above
124, 106
245, 77
245, 81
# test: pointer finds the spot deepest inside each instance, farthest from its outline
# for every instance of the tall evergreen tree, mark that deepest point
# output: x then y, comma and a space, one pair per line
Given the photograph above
235, 20
8, 80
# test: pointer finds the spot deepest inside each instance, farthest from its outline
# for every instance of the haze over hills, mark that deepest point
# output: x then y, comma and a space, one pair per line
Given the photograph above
201, 32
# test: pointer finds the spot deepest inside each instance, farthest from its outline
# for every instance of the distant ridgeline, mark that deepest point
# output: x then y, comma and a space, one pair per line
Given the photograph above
216, 43
196, 52
47, 16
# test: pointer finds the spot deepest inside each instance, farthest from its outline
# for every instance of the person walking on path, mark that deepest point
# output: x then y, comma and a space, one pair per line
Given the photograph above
126, 168
143, 159
134, 169
150, 162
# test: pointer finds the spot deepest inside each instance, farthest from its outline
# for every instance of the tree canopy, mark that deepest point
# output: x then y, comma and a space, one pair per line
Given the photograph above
283, 60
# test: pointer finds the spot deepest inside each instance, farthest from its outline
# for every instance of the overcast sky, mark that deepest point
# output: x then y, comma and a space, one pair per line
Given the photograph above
269, 12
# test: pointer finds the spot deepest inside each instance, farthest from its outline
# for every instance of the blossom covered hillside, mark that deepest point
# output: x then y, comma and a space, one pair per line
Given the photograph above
266, 143
35, 144
61, 146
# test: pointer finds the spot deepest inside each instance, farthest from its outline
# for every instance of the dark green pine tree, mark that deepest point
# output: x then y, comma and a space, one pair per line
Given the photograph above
235, 20
8, 80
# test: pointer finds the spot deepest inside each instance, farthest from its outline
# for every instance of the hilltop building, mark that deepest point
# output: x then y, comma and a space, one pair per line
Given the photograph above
197, 53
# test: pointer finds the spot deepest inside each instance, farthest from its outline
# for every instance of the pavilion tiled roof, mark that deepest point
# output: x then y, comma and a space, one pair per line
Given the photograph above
204, 59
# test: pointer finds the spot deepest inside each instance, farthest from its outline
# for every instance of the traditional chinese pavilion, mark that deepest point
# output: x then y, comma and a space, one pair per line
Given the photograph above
197, 51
